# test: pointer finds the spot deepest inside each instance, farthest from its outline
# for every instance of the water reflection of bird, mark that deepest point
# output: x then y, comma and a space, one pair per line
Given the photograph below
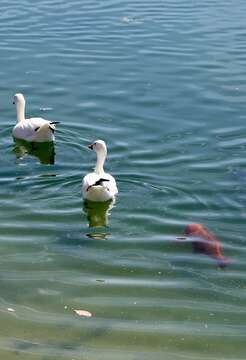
45, 152
33, 129
98, 212
99, 186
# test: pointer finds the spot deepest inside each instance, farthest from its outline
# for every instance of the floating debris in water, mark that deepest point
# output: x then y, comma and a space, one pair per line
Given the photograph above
11, 309
125, 19
131, 19
84, 313
46, 109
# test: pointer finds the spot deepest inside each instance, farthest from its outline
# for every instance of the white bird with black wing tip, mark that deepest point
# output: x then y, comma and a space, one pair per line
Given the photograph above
34, 129
99, 185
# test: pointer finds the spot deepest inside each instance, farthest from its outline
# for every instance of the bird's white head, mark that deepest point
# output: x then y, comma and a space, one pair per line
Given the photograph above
99, 146
18, 99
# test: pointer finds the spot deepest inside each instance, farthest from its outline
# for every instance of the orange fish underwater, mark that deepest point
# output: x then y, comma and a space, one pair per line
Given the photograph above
206, 243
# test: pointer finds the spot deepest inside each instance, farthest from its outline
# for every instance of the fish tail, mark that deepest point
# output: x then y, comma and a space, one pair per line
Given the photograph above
223, 262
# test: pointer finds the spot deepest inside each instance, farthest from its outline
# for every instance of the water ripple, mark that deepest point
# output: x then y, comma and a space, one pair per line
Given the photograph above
163, 83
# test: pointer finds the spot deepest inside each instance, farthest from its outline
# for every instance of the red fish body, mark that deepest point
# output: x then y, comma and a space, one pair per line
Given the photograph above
205, 242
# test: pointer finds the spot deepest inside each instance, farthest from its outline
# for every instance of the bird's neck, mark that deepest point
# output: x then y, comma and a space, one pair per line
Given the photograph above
20, 111
101, 156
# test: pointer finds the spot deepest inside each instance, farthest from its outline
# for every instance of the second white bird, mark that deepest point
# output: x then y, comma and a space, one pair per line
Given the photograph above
99, 185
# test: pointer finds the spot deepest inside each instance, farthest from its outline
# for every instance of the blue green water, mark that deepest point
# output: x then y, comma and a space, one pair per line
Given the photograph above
163, 83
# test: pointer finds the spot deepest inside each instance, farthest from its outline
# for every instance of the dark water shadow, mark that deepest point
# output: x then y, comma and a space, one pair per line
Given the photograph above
45, 151
97, 215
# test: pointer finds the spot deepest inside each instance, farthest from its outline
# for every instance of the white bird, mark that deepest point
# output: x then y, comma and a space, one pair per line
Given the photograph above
98, 185
33, 129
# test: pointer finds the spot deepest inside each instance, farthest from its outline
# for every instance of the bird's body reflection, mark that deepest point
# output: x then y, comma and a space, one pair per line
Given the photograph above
45, 151
97, 215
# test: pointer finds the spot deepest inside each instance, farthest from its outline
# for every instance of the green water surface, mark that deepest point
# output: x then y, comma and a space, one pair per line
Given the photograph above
164, 84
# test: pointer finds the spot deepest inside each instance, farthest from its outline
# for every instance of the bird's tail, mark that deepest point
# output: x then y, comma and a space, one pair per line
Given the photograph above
52, 125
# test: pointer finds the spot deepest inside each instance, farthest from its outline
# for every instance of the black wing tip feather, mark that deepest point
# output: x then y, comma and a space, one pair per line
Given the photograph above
99, 182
